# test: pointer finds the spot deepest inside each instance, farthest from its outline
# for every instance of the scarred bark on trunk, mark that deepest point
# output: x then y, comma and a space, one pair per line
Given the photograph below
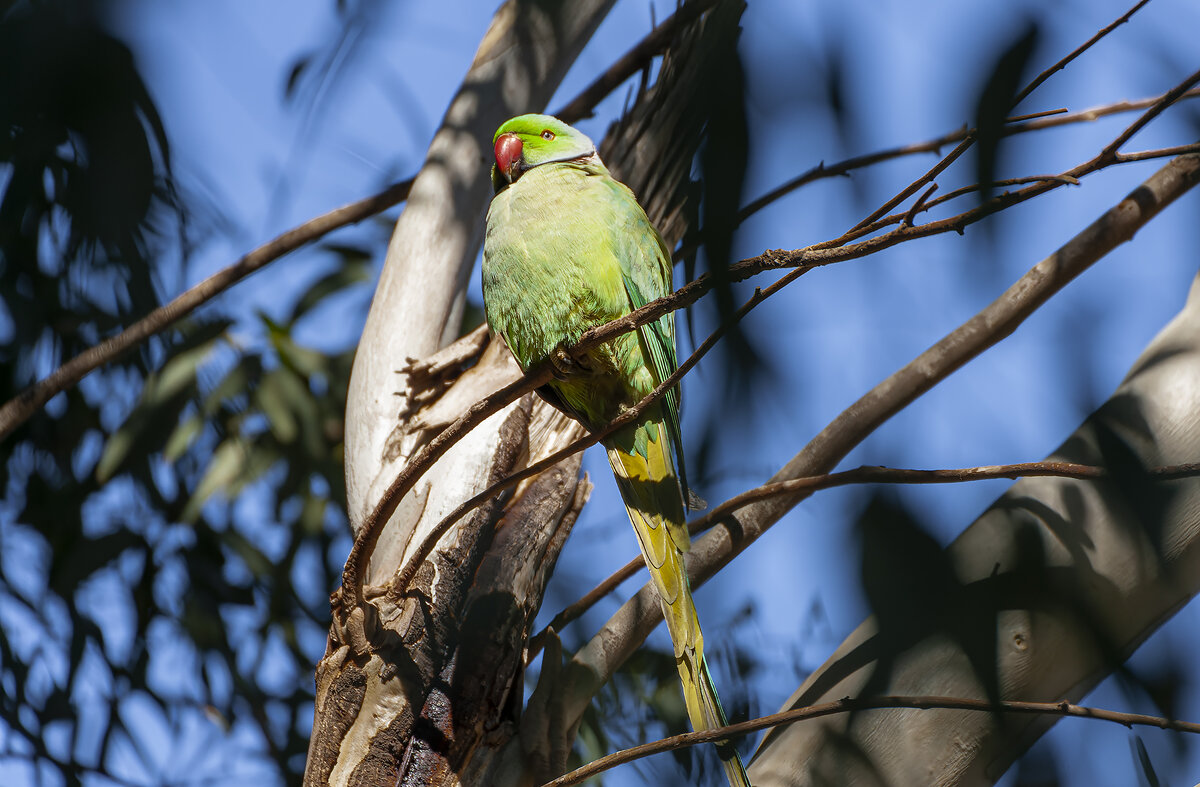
400, 660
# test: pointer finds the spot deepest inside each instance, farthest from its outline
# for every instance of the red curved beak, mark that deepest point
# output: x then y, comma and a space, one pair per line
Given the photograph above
508, 156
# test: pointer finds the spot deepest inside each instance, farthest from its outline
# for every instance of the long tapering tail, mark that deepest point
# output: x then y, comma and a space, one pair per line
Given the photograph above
647, 480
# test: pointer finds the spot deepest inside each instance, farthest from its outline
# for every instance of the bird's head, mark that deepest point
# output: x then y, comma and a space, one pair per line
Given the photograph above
528, 141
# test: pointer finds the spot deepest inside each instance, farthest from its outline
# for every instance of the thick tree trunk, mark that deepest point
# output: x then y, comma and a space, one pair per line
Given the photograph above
385, 687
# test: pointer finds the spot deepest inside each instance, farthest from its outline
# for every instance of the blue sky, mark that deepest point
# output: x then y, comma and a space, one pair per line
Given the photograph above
217, 70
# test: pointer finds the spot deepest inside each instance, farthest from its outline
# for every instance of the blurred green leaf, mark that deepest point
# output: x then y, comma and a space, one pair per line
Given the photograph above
312, 514
272, 397
302, 360
222, 470
164, 396
257, 562
182, 436
236, 381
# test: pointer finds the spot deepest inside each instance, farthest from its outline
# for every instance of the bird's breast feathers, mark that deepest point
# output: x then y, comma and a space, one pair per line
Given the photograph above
550, 269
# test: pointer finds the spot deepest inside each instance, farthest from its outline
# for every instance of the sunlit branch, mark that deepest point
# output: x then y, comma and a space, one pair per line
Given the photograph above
848, 705
867, 474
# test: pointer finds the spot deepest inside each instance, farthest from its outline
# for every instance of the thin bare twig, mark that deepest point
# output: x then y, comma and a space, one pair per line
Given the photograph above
18, 409
1086, 45
969, 138
875, 474
1089, 115
848, 705
974, 187
907, 221
1033, 115
1146, 155
912, 188
1037, 121
866, 474
1149, 115
1064, 179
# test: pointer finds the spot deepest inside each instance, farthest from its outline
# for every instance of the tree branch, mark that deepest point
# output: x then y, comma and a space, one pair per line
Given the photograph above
852, 705
1086, 45
875, 474
969, 137
866, 474
634, 620
18, 409
817, 255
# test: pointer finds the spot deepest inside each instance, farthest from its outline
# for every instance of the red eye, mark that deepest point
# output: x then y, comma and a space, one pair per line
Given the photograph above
548, 135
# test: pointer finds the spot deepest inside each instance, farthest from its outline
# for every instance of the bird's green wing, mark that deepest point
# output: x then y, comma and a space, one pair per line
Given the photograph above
646, 271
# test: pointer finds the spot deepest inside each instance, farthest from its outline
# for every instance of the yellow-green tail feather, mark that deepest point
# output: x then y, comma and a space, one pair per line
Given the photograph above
653, 498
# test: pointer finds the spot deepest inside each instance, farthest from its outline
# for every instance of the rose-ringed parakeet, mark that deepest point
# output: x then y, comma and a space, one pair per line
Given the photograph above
569, 248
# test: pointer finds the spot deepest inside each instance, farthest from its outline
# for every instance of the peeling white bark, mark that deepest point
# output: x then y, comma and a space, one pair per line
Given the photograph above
363, 725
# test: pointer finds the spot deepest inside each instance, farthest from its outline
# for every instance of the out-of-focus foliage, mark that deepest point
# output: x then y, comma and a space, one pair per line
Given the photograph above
167, 528
87, 189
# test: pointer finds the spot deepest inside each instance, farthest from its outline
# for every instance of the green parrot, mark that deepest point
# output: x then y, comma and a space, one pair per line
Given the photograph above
568, 248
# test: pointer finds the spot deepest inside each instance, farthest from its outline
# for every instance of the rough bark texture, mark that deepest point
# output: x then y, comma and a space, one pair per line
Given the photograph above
390, 678
439, 671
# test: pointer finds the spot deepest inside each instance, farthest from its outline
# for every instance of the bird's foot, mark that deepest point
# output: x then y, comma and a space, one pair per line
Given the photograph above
564, 365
